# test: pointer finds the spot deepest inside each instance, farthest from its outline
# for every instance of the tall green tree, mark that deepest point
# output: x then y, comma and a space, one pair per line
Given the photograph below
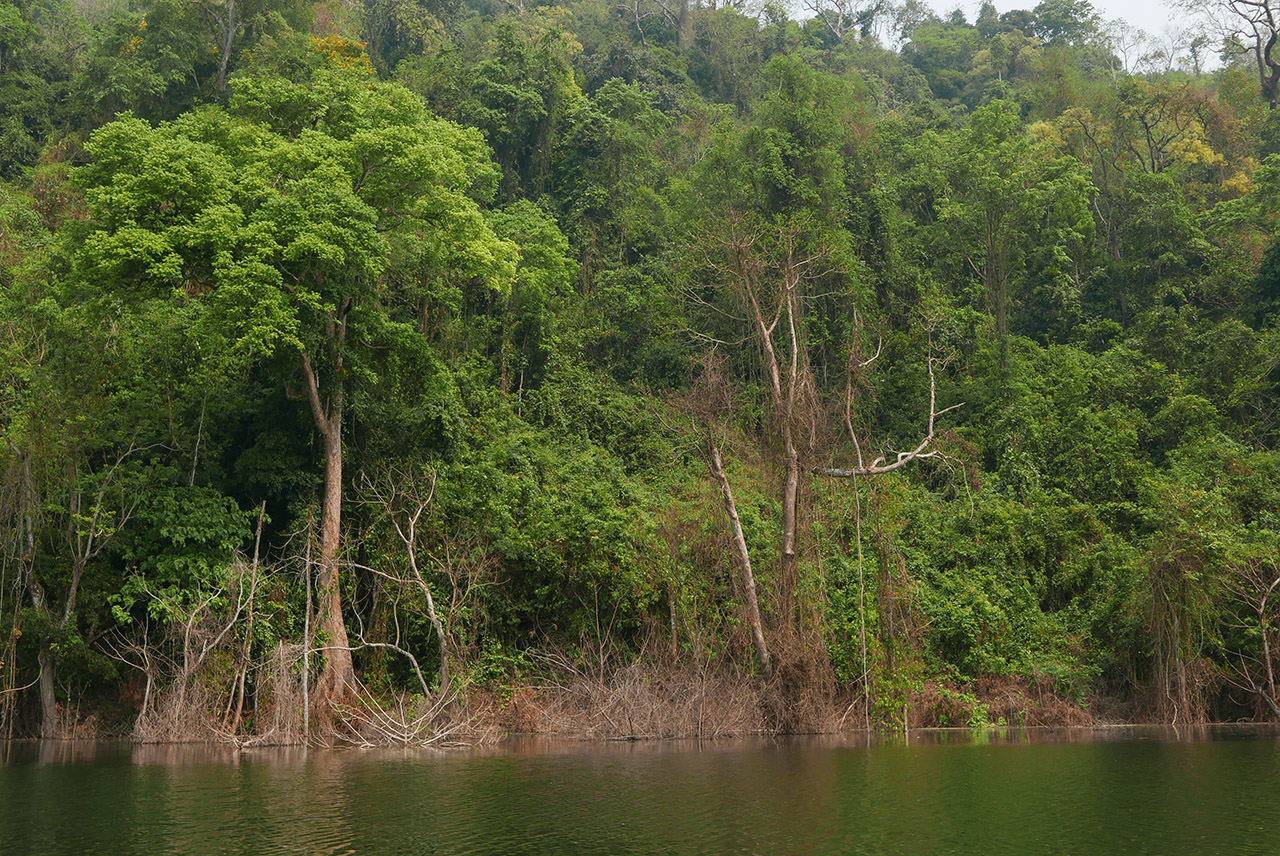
282, 221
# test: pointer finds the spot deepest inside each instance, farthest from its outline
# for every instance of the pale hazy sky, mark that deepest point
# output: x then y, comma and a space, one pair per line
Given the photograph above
1150, 15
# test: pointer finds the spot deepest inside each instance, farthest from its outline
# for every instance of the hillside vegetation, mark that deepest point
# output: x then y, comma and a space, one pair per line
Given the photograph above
405, 370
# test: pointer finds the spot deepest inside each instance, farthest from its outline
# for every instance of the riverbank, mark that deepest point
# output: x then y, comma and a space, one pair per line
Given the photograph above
634, 703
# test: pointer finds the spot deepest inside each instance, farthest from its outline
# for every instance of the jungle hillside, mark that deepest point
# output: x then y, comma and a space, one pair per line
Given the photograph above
413, 371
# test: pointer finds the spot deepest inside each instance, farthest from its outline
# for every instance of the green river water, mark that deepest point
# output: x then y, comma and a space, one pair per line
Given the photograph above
1096, 791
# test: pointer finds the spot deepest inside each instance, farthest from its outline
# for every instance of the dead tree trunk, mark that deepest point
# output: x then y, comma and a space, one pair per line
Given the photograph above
881, 464
789, 392
222, 25
1266, 649
1254, 26
410, 539
766, 267
739, 543
786, 370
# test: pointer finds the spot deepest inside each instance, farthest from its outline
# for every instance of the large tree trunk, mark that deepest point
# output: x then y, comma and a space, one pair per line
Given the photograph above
337, 678
739, 543
48, 701
1268, 69
789, 395
684, 26
338, 674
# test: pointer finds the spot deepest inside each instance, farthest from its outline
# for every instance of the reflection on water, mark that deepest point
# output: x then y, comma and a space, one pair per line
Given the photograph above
1089, 791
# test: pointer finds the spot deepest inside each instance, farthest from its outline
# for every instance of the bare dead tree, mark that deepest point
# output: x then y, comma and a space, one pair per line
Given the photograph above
856, 369
1126, 44
842, 17
198, 641
365, 720
173, 706
246, 648
882, 464
1255, 587
366, 716
403, 501
769, 291
1253, 26
766, 268
709, 402
223, 26
739, 543
637, 11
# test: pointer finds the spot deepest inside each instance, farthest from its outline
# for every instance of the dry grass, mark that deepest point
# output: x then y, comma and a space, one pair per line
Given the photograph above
638, 701
1029, 702
654, 696
178, 715
196, 710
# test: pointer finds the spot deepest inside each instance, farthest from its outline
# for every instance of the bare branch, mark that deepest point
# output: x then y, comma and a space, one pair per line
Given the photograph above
881, 464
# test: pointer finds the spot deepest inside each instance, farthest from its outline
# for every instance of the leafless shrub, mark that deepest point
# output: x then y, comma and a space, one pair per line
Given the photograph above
1254, 587
278, 710
179, 716
800, 698
404, 719
653, 698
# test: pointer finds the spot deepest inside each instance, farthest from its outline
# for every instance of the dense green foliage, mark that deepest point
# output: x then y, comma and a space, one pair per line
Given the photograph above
520, 262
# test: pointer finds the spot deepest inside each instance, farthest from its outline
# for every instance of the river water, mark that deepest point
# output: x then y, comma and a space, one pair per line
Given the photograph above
1095, 791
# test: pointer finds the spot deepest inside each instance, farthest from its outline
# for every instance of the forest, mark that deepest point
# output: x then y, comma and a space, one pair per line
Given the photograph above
410, 371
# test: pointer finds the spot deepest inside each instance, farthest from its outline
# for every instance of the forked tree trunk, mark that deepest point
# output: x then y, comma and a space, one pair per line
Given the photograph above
222, 24
1268, 69
786, 371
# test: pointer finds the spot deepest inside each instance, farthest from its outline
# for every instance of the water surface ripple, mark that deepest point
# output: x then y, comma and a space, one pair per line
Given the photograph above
1113, 791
